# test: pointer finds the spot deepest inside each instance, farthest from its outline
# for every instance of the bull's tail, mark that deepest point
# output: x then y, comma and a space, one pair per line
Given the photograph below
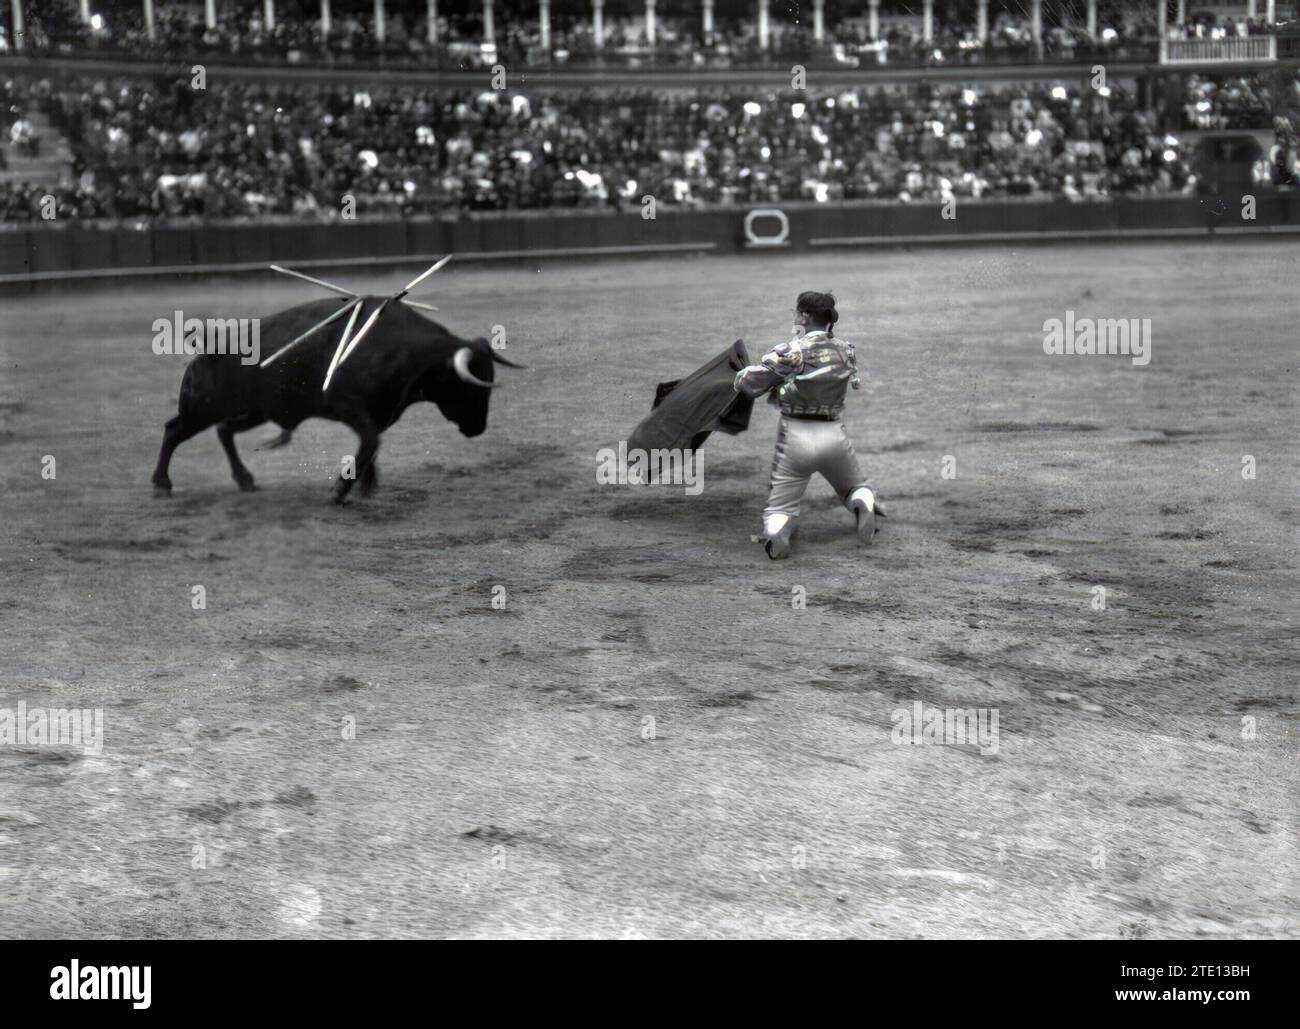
275, 442
195, 412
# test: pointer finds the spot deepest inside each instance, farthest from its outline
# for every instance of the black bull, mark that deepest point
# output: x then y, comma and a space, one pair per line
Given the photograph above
404, 359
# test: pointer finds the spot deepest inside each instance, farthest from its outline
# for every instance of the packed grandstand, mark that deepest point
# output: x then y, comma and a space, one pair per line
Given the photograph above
147, 145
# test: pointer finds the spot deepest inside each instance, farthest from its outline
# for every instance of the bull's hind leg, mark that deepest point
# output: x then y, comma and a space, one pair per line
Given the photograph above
226, 433
364, 427
176, 432
369, 478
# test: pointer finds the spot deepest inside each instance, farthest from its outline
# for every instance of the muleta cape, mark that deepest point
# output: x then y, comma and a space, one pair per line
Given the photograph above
687, 410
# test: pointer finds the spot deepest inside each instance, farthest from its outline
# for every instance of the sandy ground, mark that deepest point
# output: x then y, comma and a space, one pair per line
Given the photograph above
649, 739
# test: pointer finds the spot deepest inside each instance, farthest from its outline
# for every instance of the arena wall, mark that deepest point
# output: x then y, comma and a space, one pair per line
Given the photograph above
64, 252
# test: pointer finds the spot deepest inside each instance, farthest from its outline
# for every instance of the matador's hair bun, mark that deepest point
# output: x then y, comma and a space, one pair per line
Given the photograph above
819, 307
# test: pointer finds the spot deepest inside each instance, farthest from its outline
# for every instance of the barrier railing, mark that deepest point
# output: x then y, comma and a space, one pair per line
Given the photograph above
53, 252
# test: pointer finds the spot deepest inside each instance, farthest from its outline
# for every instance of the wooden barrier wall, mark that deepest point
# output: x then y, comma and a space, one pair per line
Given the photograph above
53, 252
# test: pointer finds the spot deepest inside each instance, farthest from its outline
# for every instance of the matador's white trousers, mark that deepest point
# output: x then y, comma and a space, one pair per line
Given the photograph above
805, 446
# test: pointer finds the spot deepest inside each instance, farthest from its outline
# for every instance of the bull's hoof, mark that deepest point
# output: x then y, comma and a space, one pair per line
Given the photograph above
162, 489
247, 485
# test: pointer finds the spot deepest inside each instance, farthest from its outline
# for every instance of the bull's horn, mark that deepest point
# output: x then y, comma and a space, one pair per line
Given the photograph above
461, 363
506, 361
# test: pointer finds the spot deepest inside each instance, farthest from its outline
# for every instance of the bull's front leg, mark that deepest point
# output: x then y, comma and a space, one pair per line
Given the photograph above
368, 433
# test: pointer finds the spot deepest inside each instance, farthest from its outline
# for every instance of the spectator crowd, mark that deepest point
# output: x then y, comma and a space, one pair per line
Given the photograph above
159, 149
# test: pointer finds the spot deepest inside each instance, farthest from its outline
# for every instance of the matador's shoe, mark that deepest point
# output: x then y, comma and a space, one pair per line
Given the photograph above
779, 531
862, 502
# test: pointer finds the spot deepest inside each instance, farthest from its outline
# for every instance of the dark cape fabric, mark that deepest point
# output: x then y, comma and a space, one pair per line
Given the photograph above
687, 410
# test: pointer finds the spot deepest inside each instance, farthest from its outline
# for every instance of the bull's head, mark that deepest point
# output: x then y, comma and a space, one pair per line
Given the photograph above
464, 385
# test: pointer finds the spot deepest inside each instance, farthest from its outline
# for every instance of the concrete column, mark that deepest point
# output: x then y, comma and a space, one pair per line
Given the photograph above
1182, 13
83, 9
1270, 11
1251, 11
326, 17
1036, 26
598, 22
927, 21
708, 19
431, 21
381, 21
209, 12
268, 8
150, 29
650, 22
819, 20
764, 32
873, 19
982, 21
20, 30
1162, 19
489, 23
544, 23
1092, 20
